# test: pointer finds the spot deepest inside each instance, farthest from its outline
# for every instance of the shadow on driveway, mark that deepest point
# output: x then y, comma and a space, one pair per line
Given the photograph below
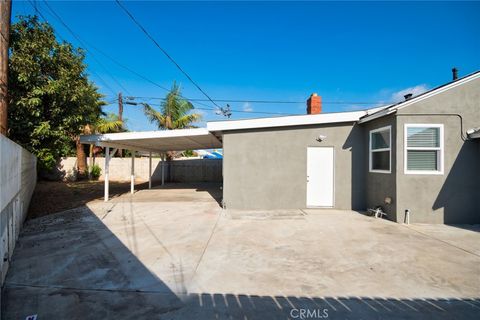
72, 266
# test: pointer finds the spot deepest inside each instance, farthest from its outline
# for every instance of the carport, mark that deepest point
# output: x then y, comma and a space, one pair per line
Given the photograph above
159, 142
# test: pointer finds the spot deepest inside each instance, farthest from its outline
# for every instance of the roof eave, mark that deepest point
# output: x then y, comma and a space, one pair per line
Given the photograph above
279, 122
474, 135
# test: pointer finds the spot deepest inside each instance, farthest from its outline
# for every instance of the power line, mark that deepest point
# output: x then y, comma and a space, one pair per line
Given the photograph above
63, 39
148, 80
198, 101
83, 44
128, 69
208, 108
165, 52
209, 99
192, 100
269, 101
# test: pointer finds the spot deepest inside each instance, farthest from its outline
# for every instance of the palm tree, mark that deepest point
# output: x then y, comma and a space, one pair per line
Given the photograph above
109, 123
175, 113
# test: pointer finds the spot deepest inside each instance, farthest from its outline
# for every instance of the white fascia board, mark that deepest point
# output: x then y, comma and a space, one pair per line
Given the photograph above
310, 119
430, 94
376, 115
122, 136
376, 109
125, 146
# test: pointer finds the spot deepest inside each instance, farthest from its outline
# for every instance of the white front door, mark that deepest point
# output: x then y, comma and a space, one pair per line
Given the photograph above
320, 164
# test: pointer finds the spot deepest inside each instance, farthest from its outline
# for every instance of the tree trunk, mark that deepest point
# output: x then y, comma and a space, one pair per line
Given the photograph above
81, 158
170, 155
5, 14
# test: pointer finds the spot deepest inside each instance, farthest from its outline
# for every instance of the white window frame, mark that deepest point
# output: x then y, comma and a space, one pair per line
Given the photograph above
440, 156
389, 149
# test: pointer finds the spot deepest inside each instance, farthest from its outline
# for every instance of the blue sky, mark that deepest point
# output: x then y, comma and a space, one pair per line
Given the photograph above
344, 51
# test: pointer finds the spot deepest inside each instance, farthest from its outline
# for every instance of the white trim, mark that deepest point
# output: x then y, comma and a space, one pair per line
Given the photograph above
309, 119
389, 149
401, 105
441, 148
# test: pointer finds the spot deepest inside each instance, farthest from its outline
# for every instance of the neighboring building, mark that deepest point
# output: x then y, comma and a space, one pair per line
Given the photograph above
421, 155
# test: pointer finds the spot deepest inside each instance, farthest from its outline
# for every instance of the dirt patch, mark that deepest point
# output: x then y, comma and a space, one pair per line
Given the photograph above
54, 196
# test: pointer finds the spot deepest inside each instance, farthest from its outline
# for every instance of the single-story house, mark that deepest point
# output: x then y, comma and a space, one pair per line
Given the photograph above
420, 156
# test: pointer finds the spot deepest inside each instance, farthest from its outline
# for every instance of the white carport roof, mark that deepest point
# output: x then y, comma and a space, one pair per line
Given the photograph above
156, 141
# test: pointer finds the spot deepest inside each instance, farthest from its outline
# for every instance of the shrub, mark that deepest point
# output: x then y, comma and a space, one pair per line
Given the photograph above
95, 172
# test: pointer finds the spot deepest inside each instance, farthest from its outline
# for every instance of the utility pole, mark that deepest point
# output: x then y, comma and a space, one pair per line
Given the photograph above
120, 107
5, 14
226, 112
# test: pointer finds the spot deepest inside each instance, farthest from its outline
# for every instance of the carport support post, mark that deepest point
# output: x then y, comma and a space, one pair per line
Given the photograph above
163, 169
132, 176
150, 170
107, 167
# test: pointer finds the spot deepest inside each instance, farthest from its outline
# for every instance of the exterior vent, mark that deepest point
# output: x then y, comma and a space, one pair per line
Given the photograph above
454, 74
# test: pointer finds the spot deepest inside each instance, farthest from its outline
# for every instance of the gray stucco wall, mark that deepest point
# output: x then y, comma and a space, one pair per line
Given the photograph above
454, 196
266, 169
379, 185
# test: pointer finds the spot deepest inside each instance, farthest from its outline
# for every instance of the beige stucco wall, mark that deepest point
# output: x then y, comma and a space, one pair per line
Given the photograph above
195, 170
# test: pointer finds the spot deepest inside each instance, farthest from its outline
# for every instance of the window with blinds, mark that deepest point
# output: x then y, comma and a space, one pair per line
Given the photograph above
423, 148
380, 152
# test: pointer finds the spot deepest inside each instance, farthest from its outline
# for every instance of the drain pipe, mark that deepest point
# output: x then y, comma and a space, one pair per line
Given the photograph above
407, 216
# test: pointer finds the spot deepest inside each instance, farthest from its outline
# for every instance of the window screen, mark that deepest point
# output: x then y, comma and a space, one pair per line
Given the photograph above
423, 148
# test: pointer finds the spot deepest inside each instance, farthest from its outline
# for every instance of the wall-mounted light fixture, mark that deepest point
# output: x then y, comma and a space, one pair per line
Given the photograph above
388, 200
321, 137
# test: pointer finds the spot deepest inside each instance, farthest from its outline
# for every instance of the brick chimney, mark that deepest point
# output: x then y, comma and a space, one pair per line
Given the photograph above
314, 104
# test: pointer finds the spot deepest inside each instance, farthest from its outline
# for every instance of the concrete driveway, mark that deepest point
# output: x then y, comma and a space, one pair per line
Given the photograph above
174, 254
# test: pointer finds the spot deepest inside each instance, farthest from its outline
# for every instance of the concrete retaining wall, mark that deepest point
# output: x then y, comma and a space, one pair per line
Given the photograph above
18, 177
195, 170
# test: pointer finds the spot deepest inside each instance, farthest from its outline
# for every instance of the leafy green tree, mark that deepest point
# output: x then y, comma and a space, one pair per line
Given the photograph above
51, 99
175, 113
